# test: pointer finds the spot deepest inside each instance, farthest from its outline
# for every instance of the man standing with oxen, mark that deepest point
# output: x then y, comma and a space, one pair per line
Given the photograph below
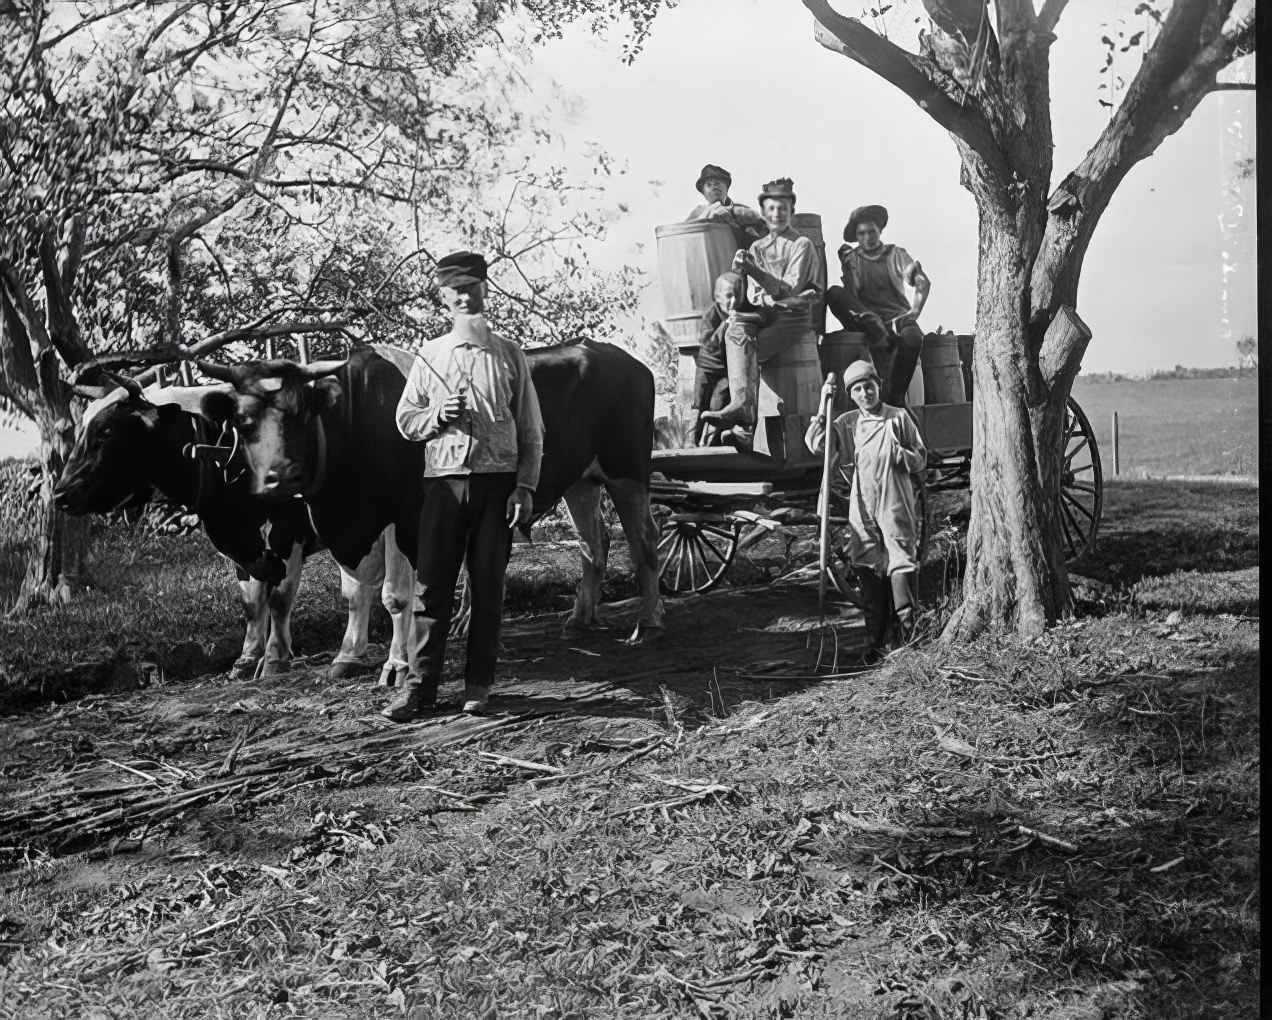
470, 400
884, 290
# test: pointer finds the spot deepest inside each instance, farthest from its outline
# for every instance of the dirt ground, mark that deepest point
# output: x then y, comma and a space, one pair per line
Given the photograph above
692, 827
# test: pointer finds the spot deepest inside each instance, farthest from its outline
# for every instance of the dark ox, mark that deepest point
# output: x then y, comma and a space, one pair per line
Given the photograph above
327, 433
133, 443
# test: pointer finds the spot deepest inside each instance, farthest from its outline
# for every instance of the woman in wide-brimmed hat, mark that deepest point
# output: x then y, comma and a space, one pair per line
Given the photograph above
713, 184
884, 290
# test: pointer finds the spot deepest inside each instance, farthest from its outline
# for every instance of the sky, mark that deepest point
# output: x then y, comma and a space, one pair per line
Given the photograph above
1170, 275
743, 84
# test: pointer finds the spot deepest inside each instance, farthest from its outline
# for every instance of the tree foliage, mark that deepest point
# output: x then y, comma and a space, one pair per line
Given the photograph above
213, 172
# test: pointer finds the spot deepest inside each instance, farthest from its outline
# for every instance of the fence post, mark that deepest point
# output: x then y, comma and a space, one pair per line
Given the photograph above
1117, 460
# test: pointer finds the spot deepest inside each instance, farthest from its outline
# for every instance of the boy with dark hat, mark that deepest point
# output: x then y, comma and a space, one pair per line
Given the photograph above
887, 456
469, 398
884, 291
713, 184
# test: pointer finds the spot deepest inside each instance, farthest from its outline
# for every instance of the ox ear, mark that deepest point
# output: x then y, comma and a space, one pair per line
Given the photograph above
327, 394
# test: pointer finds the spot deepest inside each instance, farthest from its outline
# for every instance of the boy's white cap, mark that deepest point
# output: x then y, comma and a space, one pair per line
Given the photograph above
858, 370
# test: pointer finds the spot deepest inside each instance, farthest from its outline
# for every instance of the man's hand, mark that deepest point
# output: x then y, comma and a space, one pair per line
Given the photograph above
520, 506
453, 408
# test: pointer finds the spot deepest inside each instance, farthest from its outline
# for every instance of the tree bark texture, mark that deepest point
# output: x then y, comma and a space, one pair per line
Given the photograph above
58, 566
989, 86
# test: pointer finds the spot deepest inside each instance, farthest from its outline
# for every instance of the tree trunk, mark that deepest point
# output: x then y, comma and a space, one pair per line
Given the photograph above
1016, 578
58, 567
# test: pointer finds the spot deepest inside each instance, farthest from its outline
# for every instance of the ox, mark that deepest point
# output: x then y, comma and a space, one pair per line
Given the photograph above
326, 432
133, 442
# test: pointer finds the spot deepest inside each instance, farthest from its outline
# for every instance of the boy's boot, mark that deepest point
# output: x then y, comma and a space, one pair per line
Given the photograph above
877, 600
744, 384
904, 584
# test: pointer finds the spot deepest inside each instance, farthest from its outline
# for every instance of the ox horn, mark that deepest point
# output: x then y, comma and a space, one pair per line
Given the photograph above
89, 392
221, 373
118, 359
131, 386
318, 369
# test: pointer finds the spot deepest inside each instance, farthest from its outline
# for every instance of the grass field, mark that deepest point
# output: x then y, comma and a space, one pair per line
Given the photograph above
1174, 427
1065, 828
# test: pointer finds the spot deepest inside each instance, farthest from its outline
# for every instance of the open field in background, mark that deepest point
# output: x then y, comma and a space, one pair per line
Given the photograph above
1176, 426
1060, 829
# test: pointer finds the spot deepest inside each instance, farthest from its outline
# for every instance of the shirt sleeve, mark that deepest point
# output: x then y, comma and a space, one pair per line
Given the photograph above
904, 266
529, 419
913, 452
416, 419
801, 272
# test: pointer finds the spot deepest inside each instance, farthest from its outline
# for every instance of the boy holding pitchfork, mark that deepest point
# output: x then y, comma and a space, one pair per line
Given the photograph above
886, 452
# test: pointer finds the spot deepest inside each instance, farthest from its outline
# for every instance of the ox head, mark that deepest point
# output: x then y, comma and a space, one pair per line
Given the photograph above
106, 469
278, 408
120, 445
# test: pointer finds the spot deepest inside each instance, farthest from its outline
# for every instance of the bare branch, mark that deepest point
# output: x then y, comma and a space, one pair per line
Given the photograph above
1049, 16
907, 71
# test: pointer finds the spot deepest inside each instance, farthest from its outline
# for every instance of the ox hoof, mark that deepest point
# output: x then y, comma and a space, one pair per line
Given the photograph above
392, 673
244, 669
645, 633
273, 667
344, 669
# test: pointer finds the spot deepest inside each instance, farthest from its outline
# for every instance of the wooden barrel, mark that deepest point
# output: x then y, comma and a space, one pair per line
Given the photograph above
916, 392
790, 381
810, 225
942, 370
690, 257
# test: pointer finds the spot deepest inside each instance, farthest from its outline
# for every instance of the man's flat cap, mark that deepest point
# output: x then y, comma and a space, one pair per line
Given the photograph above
460, 269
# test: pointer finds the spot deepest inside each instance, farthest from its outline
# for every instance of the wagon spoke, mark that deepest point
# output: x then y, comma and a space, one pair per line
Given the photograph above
1082, 486
1070, 454
1074, 501
1067, 530
1079, 470
1080, 532
711, 545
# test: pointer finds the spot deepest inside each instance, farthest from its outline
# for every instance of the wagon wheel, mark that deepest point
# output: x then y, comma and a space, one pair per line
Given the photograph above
695, 552
1081, 484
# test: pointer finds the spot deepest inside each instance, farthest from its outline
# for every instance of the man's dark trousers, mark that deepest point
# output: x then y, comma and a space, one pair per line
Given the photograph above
895, 353
462, 517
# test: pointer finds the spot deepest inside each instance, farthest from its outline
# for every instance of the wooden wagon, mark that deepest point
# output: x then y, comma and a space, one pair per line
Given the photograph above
707, 497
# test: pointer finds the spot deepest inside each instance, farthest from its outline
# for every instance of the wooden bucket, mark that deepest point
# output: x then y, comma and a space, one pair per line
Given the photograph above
942, 370
690, 257
810, 225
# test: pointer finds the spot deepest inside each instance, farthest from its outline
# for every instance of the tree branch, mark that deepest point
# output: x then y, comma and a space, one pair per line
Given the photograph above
906, 71
63, 327
1049, 16
1179, 69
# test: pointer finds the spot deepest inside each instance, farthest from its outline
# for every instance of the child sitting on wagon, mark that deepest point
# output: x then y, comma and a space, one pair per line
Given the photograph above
711, 376
887, 455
